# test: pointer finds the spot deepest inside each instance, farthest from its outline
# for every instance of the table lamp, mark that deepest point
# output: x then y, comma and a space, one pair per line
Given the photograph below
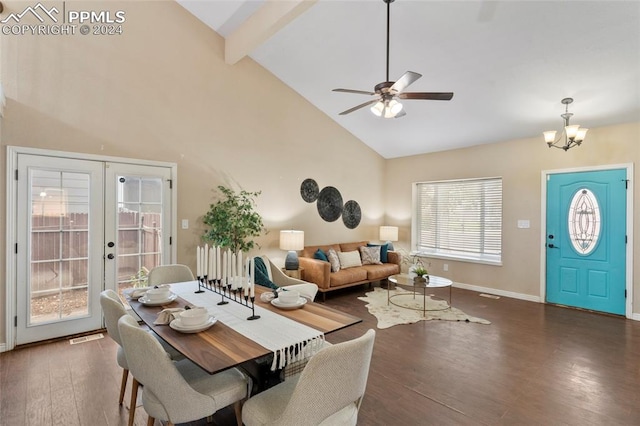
388, 234
291, 241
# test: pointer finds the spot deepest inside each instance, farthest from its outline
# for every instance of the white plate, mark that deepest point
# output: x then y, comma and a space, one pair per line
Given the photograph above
176, 324
299, 304
148, 302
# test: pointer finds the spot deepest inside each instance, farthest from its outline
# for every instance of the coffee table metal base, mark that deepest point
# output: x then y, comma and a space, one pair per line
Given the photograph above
404, 281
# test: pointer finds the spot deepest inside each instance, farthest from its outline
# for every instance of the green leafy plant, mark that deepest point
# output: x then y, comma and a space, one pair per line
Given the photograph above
420, 271
233, 220
140, 278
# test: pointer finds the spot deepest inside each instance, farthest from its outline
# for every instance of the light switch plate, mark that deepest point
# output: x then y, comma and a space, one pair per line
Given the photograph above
523, 223
185, 223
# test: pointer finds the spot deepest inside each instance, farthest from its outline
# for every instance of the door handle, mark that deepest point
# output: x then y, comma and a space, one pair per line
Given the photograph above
552, 246
110, 256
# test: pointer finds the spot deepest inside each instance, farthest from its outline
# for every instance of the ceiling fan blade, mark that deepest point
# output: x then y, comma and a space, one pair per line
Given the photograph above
443, 96
404, 81
361, 92
355, 108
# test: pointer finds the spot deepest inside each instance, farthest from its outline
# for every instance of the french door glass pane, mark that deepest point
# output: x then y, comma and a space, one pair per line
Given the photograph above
139, 225
58, 284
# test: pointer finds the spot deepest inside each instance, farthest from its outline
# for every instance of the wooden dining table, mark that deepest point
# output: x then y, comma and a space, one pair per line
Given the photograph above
220, 347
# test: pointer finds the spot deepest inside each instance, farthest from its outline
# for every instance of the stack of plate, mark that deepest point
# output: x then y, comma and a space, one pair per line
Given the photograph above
149, 302
177, 325
292, 305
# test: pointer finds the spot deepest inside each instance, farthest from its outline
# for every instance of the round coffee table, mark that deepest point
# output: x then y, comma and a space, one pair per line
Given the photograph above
405, 281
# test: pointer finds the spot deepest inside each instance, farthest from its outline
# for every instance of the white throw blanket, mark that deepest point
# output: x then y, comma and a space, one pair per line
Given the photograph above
289, 340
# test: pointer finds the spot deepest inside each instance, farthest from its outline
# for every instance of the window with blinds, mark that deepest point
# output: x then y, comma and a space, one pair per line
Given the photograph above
459, 219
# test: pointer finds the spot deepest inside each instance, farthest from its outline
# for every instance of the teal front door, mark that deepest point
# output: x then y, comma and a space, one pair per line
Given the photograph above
586, 240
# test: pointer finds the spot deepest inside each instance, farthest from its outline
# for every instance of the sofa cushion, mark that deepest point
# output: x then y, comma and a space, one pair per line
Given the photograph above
320, 255
384, 249
334, 260
378, 272
309, 251
348, 276
370, 255
352, 246
349, 259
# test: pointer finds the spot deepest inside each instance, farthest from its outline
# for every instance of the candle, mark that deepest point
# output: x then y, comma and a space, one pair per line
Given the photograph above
224, 267
234, 272
218, 265
205, 260
248, 281
253, 282
198, 261
212, 271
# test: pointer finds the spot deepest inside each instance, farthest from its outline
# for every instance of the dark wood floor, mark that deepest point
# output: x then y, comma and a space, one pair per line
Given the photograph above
534, 365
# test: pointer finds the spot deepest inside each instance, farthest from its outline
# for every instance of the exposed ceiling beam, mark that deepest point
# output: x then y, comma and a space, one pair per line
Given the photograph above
268, 20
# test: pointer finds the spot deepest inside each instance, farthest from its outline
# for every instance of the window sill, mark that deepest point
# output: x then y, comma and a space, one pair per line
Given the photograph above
484, 260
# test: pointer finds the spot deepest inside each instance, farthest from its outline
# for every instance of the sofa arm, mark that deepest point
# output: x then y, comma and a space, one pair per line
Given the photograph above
394, 257
316, 271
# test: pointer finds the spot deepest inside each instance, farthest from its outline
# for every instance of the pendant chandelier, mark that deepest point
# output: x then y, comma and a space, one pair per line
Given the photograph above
571, 136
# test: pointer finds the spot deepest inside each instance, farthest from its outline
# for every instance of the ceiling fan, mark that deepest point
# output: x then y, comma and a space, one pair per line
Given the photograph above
387, 92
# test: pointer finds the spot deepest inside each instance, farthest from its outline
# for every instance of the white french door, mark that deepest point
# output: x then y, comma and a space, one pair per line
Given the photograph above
83, 225
137, 222
59, 270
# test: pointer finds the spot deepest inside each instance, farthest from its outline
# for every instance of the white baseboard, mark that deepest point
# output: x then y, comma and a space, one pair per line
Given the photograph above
521, 296
497, 292
3, 347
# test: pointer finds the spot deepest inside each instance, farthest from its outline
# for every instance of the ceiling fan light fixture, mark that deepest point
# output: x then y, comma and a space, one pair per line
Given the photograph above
394, 107
377, 108
386, 109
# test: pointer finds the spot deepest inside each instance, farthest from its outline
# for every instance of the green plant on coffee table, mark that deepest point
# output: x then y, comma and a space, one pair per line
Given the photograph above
421, 271
233, 220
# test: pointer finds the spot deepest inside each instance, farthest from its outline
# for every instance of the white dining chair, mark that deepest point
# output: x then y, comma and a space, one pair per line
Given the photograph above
275, 274
178, 392
169, 274
113, 309
329, 390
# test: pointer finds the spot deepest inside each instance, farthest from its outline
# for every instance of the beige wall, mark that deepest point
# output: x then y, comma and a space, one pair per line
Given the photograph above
520, 163
161, 91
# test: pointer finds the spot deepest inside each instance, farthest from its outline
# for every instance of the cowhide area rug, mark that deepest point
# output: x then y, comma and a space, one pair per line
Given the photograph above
389, 315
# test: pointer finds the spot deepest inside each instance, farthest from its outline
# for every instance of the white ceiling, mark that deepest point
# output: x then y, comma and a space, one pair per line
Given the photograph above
509, 64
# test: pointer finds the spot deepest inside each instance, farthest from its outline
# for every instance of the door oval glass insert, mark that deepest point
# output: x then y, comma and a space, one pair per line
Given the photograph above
584, 221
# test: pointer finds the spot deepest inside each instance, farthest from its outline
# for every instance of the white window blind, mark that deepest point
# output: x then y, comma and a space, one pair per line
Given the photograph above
460, 219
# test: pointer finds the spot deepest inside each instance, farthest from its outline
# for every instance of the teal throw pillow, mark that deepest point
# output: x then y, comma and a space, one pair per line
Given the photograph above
384, 248
320, 255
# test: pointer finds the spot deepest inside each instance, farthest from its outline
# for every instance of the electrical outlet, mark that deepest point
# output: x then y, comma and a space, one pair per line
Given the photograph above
445, 267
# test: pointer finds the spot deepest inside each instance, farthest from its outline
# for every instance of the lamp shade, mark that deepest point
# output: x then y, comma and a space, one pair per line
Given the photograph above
291, 240
388, 233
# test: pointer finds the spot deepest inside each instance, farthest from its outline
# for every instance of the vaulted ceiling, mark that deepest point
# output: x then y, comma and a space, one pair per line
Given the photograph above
509, 63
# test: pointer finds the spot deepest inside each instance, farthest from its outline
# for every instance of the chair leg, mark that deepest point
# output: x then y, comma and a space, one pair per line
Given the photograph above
150, 421
134, 399
237, 407
125, 376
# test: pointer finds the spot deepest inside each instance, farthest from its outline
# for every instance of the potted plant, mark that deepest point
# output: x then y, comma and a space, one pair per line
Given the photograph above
421, 274
233, 220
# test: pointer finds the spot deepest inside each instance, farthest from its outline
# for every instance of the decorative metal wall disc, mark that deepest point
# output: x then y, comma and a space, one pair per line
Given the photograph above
351, 215
309, 190
330, 204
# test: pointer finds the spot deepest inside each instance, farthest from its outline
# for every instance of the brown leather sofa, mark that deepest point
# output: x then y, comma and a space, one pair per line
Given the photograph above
319, 271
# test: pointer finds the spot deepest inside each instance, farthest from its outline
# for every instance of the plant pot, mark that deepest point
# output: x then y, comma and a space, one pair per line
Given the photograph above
419, 280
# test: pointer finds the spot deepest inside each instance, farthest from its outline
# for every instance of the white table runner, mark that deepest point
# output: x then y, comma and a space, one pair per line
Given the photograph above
289, 340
